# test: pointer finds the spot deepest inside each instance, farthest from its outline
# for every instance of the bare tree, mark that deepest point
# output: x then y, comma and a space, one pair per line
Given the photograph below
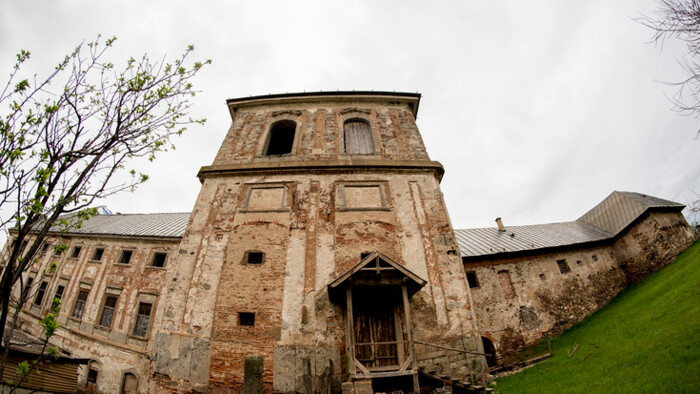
62, 149
681, 19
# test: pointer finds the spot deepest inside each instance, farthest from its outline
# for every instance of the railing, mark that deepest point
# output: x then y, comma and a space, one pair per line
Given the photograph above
451, 356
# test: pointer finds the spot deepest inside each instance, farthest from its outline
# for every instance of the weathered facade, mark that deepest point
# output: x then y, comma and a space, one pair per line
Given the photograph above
320, 241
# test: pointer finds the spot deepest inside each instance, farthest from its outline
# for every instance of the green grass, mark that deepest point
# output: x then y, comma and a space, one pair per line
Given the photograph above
646, 340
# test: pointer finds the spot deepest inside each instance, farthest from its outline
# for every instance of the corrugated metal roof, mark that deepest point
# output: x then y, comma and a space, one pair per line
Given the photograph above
145, 225
620, 209
487, 241
604, 221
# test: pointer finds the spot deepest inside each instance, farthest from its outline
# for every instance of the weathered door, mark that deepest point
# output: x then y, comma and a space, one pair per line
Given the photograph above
375, 333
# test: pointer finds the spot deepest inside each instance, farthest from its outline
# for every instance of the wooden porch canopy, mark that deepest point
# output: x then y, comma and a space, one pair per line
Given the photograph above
375, 270
379, 343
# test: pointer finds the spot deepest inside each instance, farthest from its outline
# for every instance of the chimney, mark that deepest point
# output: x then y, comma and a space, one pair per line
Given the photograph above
500, 224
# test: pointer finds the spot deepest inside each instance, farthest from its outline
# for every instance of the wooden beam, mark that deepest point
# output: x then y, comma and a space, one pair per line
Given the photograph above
409, 330
350, 328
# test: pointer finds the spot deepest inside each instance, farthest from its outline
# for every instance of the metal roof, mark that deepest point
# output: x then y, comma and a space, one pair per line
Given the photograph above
488, 241
620, 209
604, 221
144, 225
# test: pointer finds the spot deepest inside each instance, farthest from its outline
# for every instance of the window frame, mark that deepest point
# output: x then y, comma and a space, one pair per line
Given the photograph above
74, 254
107, 297
123, 253
358, 114
262, 152
138, 315
244, 318
475, 280
82, 302
41, 293
153, 259
563, 266
99, 250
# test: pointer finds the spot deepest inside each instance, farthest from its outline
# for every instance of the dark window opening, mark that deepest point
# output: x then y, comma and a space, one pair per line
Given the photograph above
542, 277
108, 311
471, 278
41, 293
45, 247
143, 319
59, 291
30, 281
97, 255
125, 258
281, 139
563, 266
358, 137
594, 257
490, 352
76, 252
79, 306
579, 262
92, 376
255, 257
246, 318
159, 259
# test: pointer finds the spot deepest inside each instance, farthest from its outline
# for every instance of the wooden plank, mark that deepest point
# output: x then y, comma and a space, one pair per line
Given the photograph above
400, 348
351, 329
373, 375
409, 330
406, 364
362, 367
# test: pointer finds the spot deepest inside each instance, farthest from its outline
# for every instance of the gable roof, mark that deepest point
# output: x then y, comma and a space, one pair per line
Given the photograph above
603, 222
381, 267
169, 225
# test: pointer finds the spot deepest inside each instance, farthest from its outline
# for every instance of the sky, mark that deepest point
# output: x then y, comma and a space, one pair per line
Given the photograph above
537, 110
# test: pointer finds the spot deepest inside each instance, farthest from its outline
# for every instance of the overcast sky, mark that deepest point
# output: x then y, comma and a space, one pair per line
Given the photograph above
537, 109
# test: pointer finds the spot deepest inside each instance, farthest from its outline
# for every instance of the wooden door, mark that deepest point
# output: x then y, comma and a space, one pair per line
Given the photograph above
375, 334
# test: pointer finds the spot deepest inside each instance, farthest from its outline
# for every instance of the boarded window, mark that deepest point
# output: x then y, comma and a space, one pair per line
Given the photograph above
358, 137
125, 258
281, 138
143, 319
41, 293
130, 384
159, 259
563, 266
506, 284
76, 252
79, 306
97, 255
108, 311
471, 278
246, 318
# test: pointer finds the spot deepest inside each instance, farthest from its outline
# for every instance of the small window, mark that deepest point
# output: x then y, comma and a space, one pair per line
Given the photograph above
159, 259
30, 281
542, 277
143, 318
108, 311
579, 262
125, 258
594, 257
45, 247
76, 252
255, 257
59, 291
97, 255
79, 306
358, 137
246, 318
39, 299
92, 376
281, 139
563, 266
471, 278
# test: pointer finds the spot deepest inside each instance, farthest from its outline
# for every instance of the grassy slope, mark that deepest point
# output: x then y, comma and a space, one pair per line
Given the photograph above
646, 340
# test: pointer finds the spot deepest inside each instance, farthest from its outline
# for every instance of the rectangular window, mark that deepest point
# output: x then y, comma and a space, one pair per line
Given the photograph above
45, 247
39, 299
76, 252
125, 258
97, 255
471, 278
159, 259
108, 311
142, 319
79, 306
563, 266
59, 291
255, 257
30, 281
246, 319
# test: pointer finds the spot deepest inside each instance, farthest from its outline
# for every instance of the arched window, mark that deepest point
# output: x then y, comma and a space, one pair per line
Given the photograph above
358, 137
281, 138
130, 384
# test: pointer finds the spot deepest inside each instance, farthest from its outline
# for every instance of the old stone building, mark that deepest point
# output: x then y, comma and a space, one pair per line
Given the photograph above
320, 241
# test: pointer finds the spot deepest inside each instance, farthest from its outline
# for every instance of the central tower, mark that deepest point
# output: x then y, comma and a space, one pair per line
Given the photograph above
319, 241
